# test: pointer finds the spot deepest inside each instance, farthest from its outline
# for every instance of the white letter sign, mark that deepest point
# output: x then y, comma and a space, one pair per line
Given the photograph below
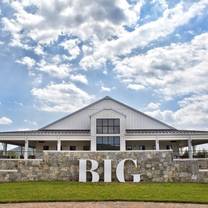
120, 171
83, 170
107, 169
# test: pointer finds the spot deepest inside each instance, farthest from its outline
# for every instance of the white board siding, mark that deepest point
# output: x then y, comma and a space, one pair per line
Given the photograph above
81, 119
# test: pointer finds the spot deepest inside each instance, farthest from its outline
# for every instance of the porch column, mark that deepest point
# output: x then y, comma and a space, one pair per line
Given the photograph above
157, 144
122, 143
21, 151
4, 148
190, 149
93, 146
58, 145
26, 149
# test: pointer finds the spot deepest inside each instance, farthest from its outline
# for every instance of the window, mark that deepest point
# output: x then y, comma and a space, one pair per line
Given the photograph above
45, 147
108, 126
108, 143
72, 148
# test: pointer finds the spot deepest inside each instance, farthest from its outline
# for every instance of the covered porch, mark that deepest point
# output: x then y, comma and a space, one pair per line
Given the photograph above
183, 143
31, 144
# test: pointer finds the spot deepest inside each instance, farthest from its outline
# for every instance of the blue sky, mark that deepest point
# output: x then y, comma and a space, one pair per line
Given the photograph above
57, 56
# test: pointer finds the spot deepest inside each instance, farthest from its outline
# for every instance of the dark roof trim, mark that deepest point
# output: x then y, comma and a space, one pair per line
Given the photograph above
53, 132
164, 131
108, 98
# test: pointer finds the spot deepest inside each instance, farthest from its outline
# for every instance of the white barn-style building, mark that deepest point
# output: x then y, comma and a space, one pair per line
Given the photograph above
105, 125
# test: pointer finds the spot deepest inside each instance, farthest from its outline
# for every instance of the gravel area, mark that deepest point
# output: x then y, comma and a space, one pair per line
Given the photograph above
102, 205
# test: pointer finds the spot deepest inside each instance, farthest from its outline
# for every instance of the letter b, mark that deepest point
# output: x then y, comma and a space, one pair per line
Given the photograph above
83, 170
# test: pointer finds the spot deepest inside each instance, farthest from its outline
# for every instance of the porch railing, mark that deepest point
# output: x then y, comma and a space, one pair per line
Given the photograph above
195, 154
34, 154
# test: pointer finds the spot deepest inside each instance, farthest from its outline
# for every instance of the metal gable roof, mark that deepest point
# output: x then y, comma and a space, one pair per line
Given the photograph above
108, 98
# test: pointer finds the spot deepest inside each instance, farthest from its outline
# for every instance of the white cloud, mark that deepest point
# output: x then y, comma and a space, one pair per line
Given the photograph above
153, 106
39, 50
5, 121
135, 86
62, 97
27, 61
191, 114
105, 89
82, 18
79, 77
52, 66
72, 47
54, 69
178, 69
172, 18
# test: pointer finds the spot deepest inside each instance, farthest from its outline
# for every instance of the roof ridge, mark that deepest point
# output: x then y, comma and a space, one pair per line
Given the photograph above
108, 98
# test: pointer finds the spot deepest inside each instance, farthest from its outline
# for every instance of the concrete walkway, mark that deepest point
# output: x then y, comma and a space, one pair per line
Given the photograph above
101, 205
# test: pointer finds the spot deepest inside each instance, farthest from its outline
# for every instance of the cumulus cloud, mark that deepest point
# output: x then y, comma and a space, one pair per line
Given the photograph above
81, 18
79, 78
72, 47
105, 88
153, 106
54, 69
135, 86
192, 113
178, 69
27, 61
145, 34
5, 121
61, 97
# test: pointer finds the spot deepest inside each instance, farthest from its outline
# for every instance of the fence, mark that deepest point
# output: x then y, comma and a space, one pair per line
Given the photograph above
10, 154
196, 154
34, 154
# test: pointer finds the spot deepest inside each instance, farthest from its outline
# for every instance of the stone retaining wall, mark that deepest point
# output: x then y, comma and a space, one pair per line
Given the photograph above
154, 166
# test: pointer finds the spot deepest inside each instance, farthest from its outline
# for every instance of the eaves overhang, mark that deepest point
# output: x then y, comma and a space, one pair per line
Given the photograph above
47, 132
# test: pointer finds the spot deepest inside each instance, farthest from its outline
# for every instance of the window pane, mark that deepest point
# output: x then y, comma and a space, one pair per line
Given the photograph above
110, 122
110, 130
111, 139
99, 130
116, 122
105, 140
116, 130
105, 130
99, 140
105, 122
117, 141
99, 122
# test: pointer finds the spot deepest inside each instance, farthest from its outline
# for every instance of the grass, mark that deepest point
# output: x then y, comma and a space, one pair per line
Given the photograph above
74, 191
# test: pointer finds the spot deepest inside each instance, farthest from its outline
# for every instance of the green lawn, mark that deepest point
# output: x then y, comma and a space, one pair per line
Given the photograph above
72, 191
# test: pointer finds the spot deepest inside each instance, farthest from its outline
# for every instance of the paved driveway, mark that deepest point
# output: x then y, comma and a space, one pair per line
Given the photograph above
101, 205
